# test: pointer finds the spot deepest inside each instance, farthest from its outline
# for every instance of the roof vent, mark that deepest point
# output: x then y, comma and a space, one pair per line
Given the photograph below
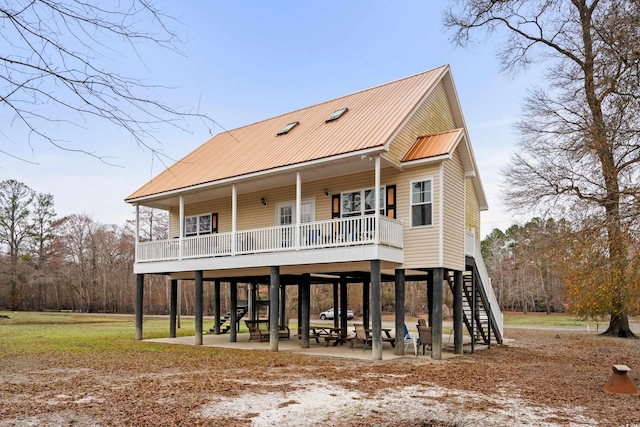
336, 115
287, 128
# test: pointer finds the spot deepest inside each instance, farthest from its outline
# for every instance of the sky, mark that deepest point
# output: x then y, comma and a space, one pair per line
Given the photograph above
246, 61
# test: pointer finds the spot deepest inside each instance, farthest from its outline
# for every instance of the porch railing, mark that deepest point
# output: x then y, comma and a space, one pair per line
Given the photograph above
352, 231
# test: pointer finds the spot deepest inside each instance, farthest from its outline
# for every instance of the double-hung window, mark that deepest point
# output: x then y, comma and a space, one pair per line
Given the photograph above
421, 203
200, 224
362, 202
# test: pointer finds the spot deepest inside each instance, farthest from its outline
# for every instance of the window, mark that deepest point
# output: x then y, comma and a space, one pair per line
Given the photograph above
336, 114
287, 128
352, 202
201, 224
421, 203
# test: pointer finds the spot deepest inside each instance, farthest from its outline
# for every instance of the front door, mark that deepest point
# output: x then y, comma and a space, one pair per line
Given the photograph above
286, 215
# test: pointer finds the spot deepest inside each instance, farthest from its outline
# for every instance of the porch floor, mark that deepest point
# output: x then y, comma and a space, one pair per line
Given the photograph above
293, 346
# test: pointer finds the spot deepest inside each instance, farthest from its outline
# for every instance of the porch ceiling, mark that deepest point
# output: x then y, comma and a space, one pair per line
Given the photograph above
344, 166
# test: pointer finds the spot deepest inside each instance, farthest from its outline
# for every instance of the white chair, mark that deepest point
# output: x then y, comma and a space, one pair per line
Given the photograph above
410, 339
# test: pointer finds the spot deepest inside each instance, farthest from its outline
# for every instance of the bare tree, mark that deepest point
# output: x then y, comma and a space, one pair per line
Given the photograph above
580, 134
56, 67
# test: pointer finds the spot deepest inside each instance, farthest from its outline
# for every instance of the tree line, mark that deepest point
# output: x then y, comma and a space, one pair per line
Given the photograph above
79, 264
559, 266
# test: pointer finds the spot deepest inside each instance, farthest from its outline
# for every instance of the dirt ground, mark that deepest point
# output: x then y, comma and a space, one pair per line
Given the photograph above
539, 378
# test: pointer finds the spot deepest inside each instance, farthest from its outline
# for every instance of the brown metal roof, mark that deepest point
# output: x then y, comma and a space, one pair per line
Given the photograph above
374, 115
438, 144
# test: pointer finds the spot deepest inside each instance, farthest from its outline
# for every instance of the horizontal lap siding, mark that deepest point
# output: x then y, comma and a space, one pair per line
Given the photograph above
454, 213
433, 116
473, 210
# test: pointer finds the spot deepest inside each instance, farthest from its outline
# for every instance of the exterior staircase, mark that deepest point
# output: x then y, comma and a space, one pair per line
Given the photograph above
480, 316
225, 321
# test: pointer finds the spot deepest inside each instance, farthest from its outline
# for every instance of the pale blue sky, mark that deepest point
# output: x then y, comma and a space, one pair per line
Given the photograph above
246, 61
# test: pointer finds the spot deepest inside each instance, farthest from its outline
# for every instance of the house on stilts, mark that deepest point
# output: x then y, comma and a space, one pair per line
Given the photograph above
377, 186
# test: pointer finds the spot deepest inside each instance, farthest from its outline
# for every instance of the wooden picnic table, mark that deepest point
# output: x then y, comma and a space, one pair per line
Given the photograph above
328, 333
385, 337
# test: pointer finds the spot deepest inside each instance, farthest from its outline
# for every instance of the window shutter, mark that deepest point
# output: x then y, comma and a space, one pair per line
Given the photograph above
214, 223
391, 201
335, 206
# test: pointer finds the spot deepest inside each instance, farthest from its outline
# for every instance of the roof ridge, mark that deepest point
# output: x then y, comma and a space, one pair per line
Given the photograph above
335, 99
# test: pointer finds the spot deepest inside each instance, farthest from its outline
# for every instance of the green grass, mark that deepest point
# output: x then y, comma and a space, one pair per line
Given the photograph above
33, 333
544, 320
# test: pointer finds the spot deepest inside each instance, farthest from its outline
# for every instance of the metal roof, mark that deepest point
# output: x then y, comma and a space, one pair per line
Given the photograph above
374, 115
435, 145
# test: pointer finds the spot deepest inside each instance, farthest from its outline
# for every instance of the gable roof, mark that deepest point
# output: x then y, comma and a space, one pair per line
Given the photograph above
374, 116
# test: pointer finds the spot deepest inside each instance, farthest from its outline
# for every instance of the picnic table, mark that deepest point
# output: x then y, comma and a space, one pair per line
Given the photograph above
386, 336
328, 333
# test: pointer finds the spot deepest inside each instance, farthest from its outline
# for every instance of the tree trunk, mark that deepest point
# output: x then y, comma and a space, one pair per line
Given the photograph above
619, 327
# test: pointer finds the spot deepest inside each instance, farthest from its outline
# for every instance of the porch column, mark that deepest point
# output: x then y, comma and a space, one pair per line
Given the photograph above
376, 310
457, 312
233, 293
137, 232
181, 227
234, 213
436, 317
429, 296
343, 306
377, 201
173, 305
274, 303
305, 308
365, 301
399, 292
283, 304
139, 304
336, 304
298, 208
216, 307
198, 306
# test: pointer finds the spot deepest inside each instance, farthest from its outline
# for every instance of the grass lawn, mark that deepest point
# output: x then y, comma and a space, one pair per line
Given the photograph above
60, 369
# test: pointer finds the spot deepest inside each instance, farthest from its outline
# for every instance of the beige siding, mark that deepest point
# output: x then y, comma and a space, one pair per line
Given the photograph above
421, 244
454, 213
472, 219
433, 116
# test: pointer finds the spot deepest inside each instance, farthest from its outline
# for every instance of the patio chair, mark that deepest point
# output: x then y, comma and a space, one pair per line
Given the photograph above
422, 323
410, 339
362, 335
424, 337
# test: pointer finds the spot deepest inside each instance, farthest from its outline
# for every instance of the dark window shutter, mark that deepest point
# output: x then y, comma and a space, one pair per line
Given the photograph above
391, 201
335, 206
214, 223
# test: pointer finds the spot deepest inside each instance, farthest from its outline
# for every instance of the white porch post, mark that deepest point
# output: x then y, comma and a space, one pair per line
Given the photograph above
298, 208
181, 227
234, 213
377, 201
137, 230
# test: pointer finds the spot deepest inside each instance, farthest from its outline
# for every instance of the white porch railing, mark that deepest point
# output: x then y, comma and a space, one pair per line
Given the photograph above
358, 230
473, 249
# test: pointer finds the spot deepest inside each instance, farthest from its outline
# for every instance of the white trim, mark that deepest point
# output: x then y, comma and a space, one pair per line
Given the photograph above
428, 160
445, 70
376, 203
181, 225
362, 204
298, 208
137, 230
441, 215
274, 171
234, 215
422, 179
307, 257
292, 203
464, 217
